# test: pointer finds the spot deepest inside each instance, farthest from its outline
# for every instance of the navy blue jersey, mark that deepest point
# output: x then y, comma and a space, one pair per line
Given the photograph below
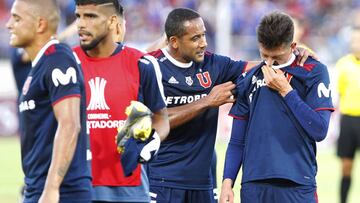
185, 156
20, 68
55, 75
276, 146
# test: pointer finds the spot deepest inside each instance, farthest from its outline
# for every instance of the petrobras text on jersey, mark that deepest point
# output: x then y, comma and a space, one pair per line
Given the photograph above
27, 105
104, 123
183, 99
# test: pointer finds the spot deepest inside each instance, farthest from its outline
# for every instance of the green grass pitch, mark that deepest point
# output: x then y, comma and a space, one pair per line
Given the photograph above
11, 176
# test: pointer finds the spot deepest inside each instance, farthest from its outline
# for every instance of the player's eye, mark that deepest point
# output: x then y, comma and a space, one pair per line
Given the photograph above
91, 16
195, 38
15, 18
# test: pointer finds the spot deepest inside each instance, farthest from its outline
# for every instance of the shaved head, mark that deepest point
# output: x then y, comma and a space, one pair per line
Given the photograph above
46, 9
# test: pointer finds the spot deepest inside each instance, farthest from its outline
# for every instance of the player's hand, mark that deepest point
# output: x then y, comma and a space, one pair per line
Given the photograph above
227, 194
221, 94
303, 53
49, 196
276, 80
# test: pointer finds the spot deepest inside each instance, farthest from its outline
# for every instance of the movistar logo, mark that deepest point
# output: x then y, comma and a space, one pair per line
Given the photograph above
58, 77
97, 100
323, 90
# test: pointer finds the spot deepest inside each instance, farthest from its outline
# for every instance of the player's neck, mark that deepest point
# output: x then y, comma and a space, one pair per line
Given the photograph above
176, 55
38, 43
105, 48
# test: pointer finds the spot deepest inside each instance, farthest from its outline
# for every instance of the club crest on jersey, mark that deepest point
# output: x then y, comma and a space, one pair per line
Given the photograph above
189, 80
26, 86
204, 79
58, 77
97, 100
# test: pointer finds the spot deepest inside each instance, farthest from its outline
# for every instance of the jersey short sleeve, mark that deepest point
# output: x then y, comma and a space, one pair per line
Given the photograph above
62, 76
240, 109
319, 92
151, 89
230, 69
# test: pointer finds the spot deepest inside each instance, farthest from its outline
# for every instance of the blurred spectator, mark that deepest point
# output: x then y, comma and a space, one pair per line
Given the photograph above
324, 19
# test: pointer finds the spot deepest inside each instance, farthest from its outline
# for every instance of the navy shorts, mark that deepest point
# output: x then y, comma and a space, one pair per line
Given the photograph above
174, 195
261, 192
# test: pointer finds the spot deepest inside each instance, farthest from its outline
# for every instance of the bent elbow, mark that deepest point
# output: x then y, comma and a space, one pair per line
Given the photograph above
321, 134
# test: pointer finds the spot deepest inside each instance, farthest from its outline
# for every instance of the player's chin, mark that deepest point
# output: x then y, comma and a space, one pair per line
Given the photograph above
85, 45
199, 58
14, 43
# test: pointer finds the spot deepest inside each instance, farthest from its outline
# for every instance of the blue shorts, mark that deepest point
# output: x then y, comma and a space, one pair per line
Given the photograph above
123, 194
75, 197
260, 192
174, 195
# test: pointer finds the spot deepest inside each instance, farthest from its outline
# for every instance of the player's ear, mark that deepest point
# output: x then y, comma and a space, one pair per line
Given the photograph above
113, 22
293, 46
173, 41
42, 25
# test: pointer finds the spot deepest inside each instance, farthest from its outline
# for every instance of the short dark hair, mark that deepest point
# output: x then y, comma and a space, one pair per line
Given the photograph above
174, 24
275, 29
115, 3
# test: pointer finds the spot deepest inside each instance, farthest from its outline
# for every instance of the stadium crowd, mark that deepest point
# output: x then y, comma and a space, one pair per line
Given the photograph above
326, 22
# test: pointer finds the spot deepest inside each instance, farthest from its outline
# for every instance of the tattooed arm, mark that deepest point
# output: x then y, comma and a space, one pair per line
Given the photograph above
67, 113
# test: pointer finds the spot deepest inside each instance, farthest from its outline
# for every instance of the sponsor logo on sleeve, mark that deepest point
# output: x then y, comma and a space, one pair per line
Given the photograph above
323, 91
58, 77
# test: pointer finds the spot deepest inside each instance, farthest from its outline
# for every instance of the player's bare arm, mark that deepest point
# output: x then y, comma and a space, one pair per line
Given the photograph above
160, 123
219, 95
67, 113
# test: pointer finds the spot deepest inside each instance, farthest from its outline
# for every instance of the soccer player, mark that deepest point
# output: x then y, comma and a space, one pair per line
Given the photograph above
53, 144
348, 68
114, 75
196, 83
192, 81
281, 111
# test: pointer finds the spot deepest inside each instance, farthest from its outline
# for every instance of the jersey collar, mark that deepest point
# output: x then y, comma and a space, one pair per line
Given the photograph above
288, 63
42, 51
174, 61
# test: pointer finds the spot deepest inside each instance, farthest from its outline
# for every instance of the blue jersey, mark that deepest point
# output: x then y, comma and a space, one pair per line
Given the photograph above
276, 146
20, 68
55, 75
185, 156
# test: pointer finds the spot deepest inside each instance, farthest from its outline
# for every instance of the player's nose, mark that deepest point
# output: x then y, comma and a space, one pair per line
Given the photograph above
203, 42
8, 24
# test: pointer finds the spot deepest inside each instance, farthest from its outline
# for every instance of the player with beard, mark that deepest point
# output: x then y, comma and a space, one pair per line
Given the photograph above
114, 75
